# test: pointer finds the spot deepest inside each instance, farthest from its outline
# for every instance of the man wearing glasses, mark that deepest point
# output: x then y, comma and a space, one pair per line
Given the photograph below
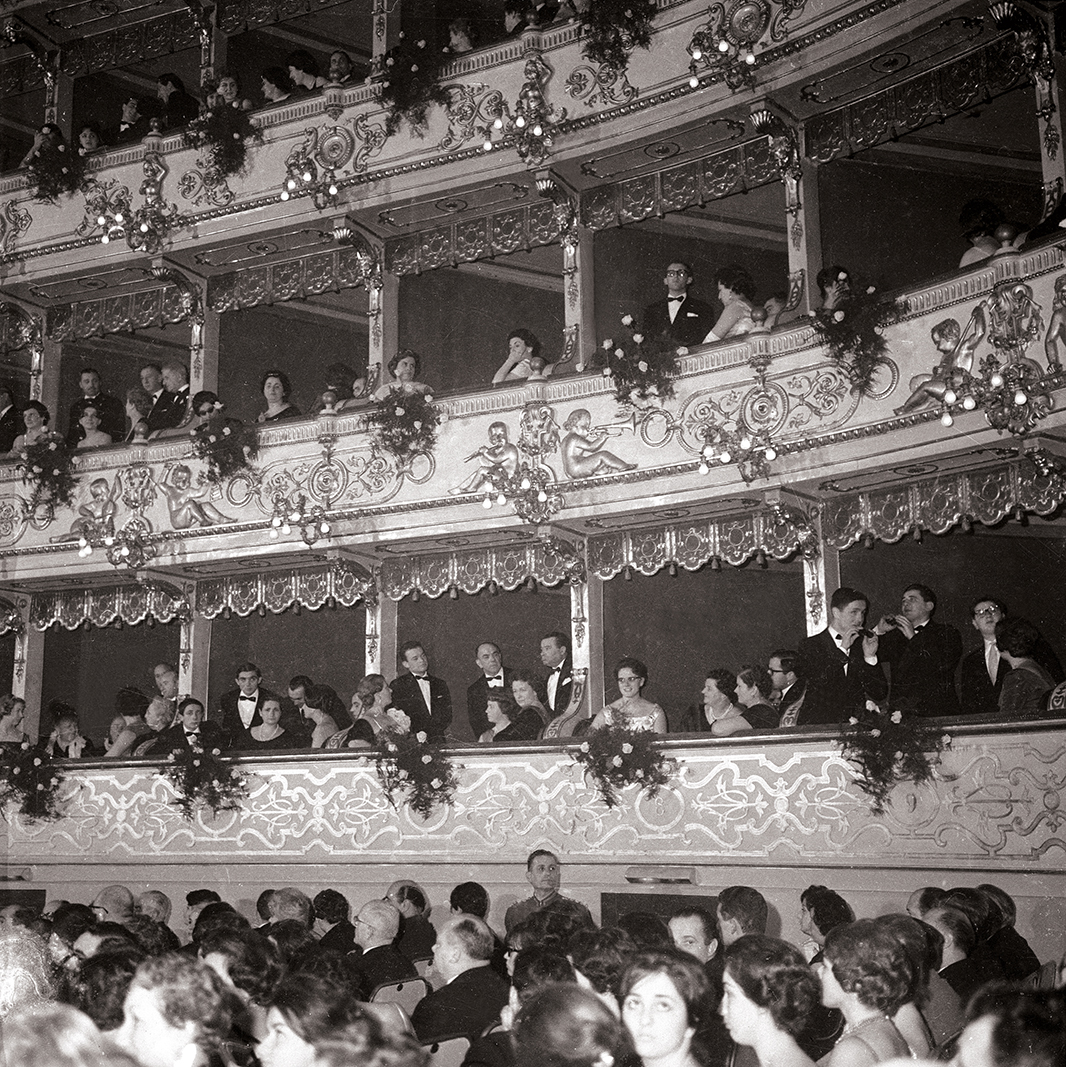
680, 319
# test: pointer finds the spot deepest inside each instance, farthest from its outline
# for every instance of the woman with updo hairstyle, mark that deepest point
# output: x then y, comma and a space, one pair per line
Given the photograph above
754, 687
304, 1010
768, 993
508, 722
276, 389
665, 997
12, 714
631, 709
371, 715
736, 291
563, 1025
1027, 685
35, 417
867, 975
404, 368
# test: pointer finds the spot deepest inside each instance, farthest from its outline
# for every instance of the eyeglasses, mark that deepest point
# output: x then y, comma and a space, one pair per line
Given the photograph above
677, 274
987, 613
776, 670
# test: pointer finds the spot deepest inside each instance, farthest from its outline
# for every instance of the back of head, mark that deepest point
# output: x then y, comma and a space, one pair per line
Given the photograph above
474, 936
217, 916
746, 906
382, 918
954, 923
366, 1042
828, 909
290, 936
566, 1026
58, 1035
602, 956
202, 896
976, 906
313, 1006
913, 935
187, 991
646, 930
1003, 910
153, 937
1028, 1026
774, 974
537, 967
100, 984
471, 898
253, 962
868, 961
331, 906
291, 903
70, 921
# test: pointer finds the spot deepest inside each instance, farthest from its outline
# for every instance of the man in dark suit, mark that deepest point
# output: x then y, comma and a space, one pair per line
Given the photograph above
176, 382
191, 730
10, 420
983, 669
110, 409
791, 688
680, 319
473, 994
240, 706
493, 676
923, 655
840, 664
134, 125
421, 696
555, 655
376, 927
179, 107
159, 417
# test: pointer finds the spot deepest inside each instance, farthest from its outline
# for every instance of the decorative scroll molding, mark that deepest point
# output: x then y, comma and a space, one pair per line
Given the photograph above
162, 304
997, 798
236, 15
549, 562
987, 496
103, 605
522, 227
931, 96
340, 583
10, 618
317, 272
131, 44
691, 545
712, 177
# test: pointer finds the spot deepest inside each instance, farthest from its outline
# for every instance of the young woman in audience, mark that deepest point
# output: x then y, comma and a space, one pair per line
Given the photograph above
631, 709
754, 687
768, 993
270, 734
35, 417
405, 368
314, 709
524, 686
508, 722
371, 714
12, 713
866, 974
564, 1026
736, 291
724, 716
664, 996
276, 391
909, 1018
304, 1009
1027, 685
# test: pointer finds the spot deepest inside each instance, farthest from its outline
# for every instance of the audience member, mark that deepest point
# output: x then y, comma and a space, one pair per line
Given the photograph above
316, 699
679, 319
333, 925
192, 731
473, 993
138, 409
381, 963
179, 107
741, 910
1012, 1027
923, 655
417, 935
524, 359
508, 722
694, 931
276, 390
982, 671
493, 676
276, 85
558, 660
303, 70
155, 938
544, 873
960, 940
405, 368
754, 686
631, 709
371, 715
1015, 956
130, 704
1025, 689
424, 698
57, 1035
340, 71
110, 412
228, 93
100, 985
240, 707
462, 36
35, 419
721, 712
176, 383
195, 902
269, 735
250, 968
834, 286
840, 665
10, 422
304, 1010
921, 900
134, 125
736, 291
560, 1026
66, 740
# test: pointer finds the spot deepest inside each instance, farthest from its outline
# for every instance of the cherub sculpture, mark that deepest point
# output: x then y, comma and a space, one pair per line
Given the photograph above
582, 451
497, 460
187, 505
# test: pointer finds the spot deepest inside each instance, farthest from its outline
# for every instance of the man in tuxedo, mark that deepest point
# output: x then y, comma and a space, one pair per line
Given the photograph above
840, 665
166, 681
240, 706
421, 696
110, 409
983, 669
555, 655
786, 681
923, 655
176, 383
473, 993
493, 676
680, 319
10, 422
159, 418
191, 730
134, 125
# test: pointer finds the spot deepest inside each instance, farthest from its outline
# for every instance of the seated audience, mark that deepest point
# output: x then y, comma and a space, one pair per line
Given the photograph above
515, 17
179, 107
1026, 687
303, 70
978, 221
524, 359
48, 137
1015, 956
922, 900
269, 734
250, 968
57, 1035
405, 368
720, 708
333, 921
1012, 1027
768, 993
508, 722
276, 390
736, 291
956, 969
276, 85
528, 692
774, 306
90, 139
100, 985
92, 435
12, 715
340, 68
631, 709
303, 1010
371, 713
35, 417
560, 1026
834, 286
228, 94
368, 1042
139, 405
376, 928
130, 704
462, 36
315, 700
135, 124
754, 686
600, 959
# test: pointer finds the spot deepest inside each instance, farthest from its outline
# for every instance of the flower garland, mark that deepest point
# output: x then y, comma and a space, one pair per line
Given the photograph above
201, 779
31, 778
642, 369
617, 756
853, 333
411, 766
48, 466
409, 86
613, 28
54, 170
404, 424
225, 132
887, 749
226, 445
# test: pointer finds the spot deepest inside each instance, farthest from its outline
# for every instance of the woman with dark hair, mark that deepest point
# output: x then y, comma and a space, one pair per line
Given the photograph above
303, 70
631, 709
130, 705
601, 959
866, 975
768, 993
49, 136
372, 714
90, 139
304, 1009
35, 417
250, 967
822, 910
834, 286
276, 85
524, 359
316, 698
564, 1026
508, 722
736, 291
277, 389
754, 687
1004, 942
138, 408
12, 714
269, 734
720, 708
228, 93
404, 367
1027, 685
528, 692
664, 997
99, 986
910, 1018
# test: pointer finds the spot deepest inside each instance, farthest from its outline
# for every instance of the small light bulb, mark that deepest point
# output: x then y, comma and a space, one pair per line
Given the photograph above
704, 469
725, 457
996, 381
946, 419
144, 227
291, 183
487, 503
1020, 397
332, 190
498, 124
119, 218
501, 500
286, 528
542, 496
750, 59
723, 46
519, 122
273, 533
950, 396
770, 455
745, 443
537, 131
697, 54
109, 541
324, 527
487, 145
125, 550
100, 220
285, 195
693, 82
969, 403
105, 239
306, 175
526, 483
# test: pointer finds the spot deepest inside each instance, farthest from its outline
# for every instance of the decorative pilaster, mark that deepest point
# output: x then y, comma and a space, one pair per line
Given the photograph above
579, 300
381, 637
821, 579
208, 324
28, 673
386, 28
804, 238
194, 654
384, 319
591, 594
45, 385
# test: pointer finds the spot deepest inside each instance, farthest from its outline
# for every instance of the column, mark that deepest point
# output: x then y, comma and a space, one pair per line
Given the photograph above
28, 673
592, 606
804, 237
45, 386
194, 656
381, 637
386, 28
59, 104
213, 52
579, 335
203, 356
1052, 126
821, 579
384, 316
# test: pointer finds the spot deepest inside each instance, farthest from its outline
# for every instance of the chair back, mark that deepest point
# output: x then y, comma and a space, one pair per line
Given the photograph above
406, 993
423, 967
391, 1016
448, 1053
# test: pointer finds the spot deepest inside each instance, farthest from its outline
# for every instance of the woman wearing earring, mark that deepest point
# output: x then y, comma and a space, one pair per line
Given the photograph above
631, 709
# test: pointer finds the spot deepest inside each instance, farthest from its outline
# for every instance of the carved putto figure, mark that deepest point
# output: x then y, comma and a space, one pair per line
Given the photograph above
497, 460
583, 452
187, 505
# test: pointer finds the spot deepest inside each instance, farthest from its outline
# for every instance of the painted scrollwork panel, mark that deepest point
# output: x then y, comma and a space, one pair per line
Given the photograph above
680, 187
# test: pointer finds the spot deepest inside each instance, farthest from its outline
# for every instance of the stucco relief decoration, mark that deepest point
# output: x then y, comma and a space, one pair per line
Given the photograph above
205, 186
107, 206
311, 167
602, 84
530, 125
14, 222
471, 111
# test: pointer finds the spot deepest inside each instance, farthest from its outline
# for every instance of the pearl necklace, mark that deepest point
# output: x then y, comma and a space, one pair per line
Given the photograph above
277, 730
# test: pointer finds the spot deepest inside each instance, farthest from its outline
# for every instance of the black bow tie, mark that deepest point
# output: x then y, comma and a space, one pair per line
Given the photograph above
920, 626
421, 677
556, 670
192, 733
838, 638
674, 299
252, 699
497, 680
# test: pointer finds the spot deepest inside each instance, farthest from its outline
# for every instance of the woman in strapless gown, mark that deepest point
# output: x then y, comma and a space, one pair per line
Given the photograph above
631, 709
736, 291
